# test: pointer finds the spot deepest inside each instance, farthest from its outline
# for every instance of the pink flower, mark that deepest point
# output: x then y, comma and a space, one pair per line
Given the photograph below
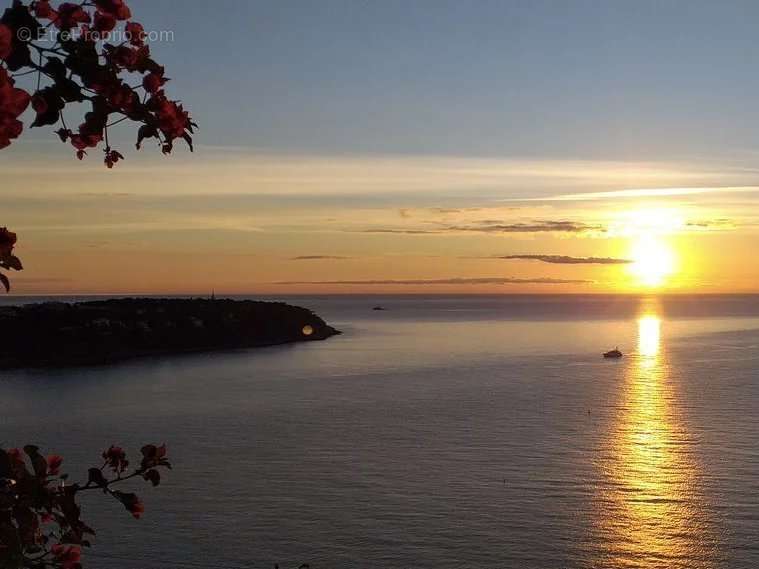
54, 462
69, 557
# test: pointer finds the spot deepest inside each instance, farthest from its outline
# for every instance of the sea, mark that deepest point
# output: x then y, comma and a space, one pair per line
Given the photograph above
441, 432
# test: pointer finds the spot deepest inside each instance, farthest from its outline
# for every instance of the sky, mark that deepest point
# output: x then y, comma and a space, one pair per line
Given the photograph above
427, 146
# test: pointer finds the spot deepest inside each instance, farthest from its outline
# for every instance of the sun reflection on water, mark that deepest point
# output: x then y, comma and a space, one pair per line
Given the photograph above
649, 338
653, 514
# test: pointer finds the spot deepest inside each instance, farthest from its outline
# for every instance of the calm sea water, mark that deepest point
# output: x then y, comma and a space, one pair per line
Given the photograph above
448, 432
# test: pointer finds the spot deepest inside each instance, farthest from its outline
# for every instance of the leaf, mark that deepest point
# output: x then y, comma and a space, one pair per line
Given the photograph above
86, 529
14, 263
55, 68
154, 476
144, 132
5, 464
38, 461
19, 58
95, 476
52, 107
130, 501
149, 451
68, 90
6, 283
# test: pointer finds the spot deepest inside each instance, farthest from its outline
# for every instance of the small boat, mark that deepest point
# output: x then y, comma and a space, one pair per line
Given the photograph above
378, 308
615, 353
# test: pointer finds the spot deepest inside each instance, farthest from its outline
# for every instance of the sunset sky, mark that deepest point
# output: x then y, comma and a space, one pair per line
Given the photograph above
418, 147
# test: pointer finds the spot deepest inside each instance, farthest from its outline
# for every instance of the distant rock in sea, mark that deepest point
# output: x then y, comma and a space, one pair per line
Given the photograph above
58, 334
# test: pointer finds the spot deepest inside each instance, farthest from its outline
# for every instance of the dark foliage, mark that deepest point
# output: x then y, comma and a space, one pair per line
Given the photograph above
40, 520
7, 259
90, 56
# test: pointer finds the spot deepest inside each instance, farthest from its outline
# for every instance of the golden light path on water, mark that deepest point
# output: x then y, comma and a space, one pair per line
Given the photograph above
653, 515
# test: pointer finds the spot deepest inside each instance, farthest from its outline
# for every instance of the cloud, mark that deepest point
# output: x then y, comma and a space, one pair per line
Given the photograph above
710, 224
565, 260
404, 231
317, 257
640, 193
104, 195
561, 226
35, 280
498, 226
448, 281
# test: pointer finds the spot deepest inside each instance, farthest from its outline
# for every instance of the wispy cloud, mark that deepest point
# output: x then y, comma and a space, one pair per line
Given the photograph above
40, 280
640, 193
710, 224
566, 260
448, 281
317, 257
404, 231
562, 226
497, 226
449, 210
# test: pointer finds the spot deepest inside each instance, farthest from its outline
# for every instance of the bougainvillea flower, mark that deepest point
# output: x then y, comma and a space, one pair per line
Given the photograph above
131, 502
68, 557
116, 8
42, 9
115, 457
153, 81
70, 16
13, 102
85, 69
6, 41
54, 462
15, 456
135, 33
104, 22
137, 508
153, 455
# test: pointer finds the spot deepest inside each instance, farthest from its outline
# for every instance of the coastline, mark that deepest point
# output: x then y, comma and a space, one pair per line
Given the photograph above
60, 334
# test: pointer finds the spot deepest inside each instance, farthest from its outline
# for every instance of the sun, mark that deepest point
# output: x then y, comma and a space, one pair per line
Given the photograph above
653, 258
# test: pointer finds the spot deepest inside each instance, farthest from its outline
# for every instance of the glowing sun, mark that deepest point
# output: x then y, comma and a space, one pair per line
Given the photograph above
653, 258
